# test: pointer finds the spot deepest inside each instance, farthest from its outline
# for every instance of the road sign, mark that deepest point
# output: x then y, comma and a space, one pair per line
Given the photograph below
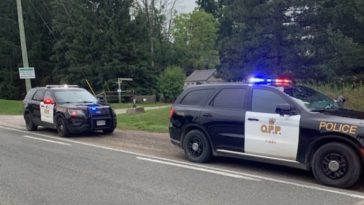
27, 73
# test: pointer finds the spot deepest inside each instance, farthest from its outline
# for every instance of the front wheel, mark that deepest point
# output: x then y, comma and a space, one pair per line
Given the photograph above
337, 165
196, 146
29, 123
62, 128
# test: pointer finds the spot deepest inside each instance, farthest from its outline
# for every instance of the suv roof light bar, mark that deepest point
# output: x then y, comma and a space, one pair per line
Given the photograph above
62, 86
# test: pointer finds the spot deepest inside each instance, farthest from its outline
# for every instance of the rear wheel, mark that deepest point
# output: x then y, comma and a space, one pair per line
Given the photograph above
29, 123
62, 129
336, 164
196, 146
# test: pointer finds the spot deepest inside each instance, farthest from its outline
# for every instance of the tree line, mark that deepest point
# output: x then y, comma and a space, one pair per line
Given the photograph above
320, 40
101, 40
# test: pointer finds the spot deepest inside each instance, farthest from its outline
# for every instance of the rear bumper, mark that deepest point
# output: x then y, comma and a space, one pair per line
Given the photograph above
175, 136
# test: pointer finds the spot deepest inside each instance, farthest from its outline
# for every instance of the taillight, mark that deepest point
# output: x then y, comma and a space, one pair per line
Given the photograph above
171, 112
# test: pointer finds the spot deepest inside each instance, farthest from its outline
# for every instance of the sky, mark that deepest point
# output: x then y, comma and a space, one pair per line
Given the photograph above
185, 6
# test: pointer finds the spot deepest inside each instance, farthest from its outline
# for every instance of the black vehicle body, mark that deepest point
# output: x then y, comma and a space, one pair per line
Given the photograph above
227, 129
76, 117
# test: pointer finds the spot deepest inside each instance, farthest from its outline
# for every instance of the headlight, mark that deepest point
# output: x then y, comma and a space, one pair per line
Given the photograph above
75, 113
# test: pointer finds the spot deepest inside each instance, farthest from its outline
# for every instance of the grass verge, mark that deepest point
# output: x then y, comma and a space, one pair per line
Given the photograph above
11, 107
130, 105
151, 121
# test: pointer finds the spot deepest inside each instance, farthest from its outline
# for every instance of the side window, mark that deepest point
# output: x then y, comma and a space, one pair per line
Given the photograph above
266, 101
230, 98
197, 97
38, 96
30, 94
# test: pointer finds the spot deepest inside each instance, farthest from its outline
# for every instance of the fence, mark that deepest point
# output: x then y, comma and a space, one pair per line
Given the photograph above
126, 97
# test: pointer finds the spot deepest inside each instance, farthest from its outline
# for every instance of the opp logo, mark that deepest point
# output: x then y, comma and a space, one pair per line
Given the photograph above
271, 128
338, 127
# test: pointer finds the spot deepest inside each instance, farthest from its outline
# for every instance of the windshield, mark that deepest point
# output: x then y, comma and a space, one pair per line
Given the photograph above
311, 99
74, 96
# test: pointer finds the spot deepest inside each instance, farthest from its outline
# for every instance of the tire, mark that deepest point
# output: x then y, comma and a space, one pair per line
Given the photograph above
29, 122
196, 147
337, 165
108, 131
62, 128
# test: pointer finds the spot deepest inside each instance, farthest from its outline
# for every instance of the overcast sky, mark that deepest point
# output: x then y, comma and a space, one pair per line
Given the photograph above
185, 6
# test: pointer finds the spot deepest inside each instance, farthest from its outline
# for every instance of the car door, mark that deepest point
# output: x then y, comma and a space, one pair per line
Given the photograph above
47, 108
268, 133
35, 105
224, 118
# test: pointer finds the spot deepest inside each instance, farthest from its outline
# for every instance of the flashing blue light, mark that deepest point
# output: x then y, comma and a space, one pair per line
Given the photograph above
256, 80
93, 108
278, 81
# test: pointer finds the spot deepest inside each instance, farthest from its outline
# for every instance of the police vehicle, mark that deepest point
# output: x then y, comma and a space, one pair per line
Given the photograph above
274, 121
67, 108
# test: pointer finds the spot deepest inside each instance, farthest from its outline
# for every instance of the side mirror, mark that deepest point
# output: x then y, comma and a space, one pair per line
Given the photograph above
48, 101
284, 109
340, 100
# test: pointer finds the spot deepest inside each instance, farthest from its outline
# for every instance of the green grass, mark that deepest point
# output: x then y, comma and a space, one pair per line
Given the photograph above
11, 107
129, 105
151, 121
354, 96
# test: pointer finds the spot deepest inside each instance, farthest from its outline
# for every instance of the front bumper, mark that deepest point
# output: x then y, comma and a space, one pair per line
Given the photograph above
91, 124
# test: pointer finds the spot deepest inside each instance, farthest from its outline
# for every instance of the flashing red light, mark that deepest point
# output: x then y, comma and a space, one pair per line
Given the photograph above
48, 101
283, 81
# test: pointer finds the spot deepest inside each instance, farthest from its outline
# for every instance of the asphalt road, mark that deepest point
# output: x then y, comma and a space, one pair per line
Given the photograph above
44, 169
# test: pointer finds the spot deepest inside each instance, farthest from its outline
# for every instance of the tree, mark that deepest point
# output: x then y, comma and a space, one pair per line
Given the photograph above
195, 38
39, 45
254, 38
329, 40
171, 82
210, 6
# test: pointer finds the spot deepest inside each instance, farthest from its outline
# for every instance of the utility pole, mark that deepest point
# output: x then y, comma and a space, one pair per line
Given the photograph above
23, 44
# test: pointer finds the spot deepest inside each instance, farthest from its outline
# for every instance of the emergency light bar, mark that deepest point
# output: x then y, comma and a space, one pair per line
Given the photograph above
277, 81
62, 86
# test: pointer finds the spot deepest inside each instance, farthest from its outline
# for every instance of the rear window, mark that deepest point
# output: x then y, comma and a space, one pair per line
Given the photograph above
233, 98
197, 97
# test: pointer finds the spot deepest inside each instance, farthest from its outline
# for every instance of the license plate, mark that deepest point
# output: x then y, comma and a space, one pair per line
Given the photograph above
100, 122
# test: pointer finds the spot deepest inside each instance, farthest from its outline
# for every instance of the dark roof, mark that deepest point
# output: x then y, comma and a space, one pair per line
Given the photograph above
200, 75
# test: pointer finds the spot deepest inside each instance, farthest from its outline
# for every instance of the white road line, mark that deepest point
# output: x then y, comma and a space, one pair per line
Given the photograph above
197, 169
318, 188
45, 140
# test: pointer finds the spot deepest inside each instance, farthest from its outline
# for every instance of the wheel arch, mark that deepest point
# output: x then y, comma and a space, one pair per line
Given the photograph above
56, 116
329, 138
191, 127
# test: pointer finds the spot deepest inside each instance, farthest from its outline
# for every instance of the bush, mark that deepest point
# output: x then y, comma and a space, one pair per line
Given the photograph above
171, 82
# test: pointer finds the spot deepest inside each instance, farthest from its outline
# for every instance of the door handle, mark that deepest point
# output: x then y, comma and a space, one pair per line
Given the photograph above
253, 119
206, 115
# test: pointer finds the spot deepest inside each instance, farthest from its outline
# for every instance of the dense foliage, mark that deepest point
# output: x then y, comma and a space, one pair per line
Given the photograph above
101, 40
171, 83
309, 39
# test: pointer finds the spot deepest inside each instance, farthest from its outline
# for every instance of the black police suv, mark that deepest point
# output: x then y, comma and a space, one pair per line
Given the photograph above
278, 123
69, 109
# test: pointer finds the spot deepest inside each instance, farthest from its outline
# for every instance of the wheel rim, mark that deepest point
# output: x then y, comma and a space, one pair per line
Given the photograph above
334, 165
195, 147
